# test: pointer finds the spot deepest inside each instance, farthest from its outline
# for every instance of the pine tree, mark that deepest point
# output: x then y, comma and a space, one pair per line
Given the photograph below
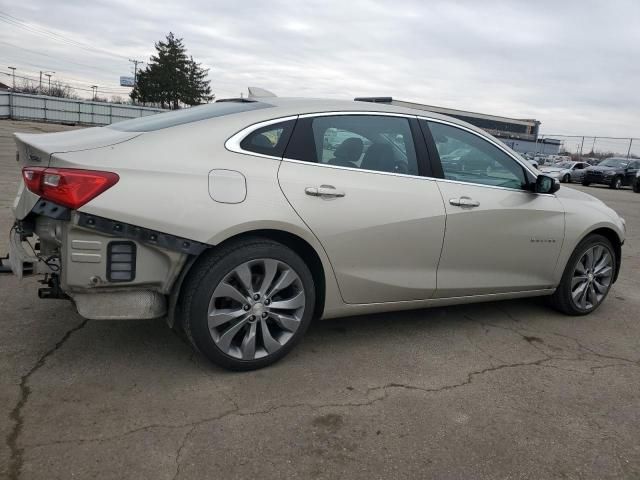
171, 78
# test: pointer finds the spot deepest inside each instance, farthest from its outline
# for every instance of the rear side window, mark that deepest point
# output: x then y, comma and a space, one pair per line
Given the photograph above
173, 118
368, 142
270, 140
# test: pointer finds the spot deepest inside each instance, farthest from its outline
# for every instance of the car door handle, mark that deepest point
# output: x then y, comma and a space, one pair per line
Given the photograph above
327, 191
464, 202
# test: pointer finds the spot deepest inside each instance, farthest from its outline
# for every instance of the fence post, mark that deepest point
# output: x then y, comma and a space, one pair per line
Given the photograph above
11, 105
79, 111
45, 109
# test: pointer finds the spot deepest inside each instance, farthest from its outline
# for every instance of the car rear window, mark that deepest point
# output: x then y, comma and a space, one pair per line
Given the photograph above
186, 115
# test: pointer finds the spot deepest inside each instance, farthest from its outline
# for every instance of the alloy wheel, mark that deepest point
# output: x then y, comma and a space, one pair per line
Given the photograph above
592, 277
256, 309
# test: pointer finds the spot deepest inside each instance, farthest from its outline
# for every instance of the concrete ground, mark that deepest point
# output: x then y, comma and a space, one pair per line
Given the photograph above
505, 390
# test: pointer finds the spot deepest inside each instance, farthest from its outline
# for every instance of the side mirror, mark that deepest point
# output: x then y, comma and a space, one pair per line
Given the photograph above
545, 184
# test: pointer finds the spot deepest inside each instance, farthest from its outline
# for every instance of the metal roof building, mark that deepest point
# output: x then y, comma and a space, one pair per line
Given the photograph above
521, 134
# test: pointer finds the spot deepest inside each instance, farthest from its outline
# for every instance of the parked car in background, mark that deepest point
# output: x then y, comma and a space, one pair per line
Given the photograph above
235, 222
566, 172
533, 163
615, 172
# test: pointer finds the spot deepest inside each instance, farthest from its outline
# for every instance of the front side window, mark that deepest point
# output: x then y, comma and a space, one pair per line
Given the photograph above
466, 157
367, 142
270, 140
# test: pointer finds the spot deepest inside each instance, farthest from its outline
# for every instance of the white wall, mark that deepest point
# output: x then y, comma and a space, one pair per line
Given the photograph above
21, 106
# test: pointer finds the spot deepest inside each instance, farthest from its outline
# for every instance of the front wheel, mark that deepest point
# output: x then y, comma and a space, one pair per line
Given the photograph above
566, 178
246, 305
636, 186
616, 183
587, 278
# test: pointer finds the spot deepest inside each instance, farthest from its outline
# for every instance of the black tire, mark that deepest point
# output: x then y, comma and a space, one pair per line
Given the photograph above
566, 178
616, 183
562, 299
585, 184
209, 272
636, 186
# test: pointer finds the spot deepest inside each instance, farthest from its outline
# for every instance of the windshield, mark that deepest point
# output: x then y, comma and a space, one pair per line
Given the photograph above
614, 162
563, 165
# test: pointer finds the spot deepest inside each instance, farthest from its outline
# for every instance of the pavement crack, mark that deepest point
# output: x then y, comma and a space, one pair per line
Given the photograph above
180, 448
16, 415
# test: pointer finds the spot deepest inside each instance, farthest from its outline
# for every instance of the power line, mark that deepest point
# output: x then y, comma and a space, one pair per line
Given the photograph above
102, 89
38, 30
93, 67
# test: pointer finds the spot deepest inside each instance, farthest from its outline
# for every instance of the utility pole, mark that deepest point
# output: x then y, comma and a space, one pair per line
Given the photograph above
40, 84
581, 145
629, 150
135, 70
593, 147
95, 91
48, 75
13, 74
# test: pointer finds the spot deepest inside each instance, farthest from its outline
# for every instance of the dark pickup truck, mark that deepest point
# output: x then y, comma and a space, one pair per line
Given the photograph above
615, 172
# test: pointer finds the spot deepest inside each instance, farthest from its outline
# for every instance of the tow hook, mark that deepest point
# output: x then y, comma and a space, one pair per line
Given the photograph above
53, 289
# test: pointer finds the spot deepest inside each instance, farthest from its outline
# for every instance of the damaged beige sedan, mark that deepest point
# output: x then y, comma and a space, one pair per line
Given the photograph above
243, 220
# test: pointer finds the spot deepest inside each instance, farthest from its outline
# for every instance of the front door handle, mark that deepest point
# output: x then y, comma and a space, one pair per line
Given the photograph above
464, 202
327, 191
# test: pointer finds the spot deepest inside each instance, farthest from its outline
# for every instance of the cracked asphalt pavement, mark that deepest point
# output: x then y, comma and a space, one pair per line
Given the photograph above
509, 390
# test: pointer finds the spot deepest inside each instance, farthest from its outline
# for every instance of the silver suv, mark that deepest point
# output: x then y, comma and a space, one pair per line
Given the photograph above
243, 220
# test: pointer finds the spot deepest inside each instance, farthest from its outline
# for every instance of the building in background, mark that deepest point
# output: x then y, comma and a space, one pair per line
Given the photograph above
517, 133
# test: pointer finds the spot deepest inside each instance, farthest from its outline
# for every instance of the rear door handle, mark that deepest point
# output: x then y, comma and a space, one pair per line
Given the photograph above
464, 202
327, 191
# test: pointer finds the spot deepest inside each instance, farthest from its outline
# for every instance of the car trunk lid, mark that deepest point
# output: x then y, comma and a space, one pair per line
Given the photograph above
36, 150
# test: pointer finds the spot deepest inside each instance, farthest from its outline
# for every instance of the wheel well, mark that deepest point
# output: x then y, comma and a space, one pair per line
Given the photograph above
612, 236
295, 243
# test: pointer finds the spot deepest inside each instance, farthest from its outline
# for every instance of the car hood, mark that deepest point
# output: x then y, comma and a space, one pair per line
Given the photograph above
551, 169
602, 168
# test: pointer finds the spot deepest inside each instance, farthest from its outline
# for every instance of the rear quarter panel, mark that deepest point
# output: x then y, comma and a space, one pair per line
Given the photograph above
164, 186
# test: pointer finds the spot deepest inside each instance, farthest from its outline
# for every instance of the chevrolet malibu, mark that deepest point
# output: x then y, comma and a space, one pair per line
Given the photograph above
243, 220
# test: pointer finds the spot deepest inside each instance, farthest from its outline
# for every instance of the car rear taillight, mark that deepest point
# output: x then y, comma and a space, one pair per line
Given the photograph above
68, 187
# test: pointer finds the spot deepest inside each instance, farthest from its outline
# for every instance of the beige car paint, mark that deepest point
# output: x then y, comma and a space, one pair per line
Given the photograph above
164, 186
383, 237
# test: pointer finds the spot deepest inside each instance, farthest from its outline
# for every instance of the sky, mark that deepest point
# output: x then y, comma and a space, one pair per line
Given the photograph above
573, 65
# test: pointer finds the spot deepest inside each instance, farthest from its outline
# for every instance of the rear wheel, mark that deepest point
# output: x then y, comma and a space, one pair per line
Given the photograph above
248, 304
636, 185
566, 178
587, 278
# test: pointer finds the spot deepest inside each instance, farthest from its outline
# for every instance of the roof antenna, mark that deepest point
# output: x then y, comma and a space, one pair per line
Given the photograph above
256, 92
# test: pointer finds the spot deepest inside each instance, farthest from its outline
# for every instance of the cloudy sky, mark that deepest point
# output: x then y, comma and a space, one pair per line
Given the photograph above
574, 65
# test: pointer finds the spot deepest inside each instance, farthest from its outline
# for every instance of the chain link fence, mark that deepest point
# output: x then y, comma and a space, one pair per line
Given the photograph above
594, 148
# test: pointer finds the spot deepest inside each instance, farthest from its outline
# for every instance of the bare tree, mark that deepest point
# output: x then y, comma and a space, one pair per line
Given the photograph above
61, 90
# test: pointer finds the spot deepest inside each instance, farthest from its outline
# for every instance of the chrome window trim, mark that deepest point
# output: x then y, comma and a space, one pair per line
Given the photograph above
233, 145
356, 112
233, 142
362, 170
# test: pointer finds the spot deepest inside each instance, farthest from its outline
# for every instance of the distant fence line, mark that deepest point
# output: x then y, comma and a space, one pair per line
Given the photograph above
583, 145
21, 106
